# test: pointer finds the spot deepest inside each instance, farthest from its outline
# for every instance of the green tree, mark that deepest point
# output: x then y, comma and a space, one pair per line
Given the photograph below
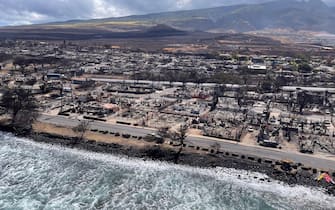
305, 68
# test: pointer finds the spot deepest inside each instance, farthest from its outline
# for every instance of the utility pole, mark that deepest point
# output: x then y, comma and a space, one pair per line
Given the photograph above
61, 99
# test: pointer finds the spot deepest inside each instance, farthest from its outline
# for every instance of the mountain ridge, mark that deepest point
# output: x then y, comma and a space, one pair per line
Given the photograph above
306, 15
312, 15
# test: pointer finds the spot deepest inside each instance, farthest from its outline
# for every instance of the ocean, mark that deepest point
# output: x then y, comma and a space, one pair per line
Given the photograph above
41, 176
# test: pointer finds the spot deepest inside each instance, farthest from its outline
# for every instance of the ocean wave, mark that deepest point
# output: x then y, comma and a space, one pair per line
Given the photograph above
42, 175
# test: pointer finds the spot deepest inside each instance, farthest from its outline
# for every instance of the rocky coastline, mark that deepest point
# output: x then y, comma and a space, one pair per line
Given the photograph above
289, 173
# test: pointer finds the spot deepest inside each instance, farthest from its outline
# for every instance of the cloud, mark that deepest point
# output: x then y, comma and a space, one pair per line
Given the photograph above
16, 12
103, 9
37, 11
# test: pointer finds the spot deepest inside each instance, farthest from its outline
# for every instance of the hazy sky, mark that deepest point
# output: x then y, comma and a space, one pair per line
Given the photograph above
18, 12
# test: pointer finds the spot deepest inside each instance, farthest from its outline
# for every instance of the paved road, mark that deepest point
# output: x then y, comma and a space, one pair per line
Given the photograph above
274, 154
189, 84
67, 122
150, 82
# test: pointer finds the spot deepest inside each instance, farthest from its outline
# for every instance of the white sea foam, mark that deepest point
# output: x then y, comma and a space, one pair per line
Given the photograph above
171, 178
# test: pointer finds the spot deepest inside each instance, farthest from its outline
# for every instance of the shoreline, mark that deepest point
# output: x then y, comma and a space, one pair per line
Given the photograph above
288, 173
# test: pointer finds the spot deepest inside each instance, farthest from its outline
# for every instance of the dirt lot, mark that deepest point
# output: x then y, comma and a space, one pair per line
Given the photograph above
106, 138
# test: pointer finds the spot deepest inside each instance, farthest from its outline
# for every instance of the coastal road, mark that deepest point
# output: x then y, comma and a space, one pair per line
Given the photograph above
205, 142
69, 122
269, 153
